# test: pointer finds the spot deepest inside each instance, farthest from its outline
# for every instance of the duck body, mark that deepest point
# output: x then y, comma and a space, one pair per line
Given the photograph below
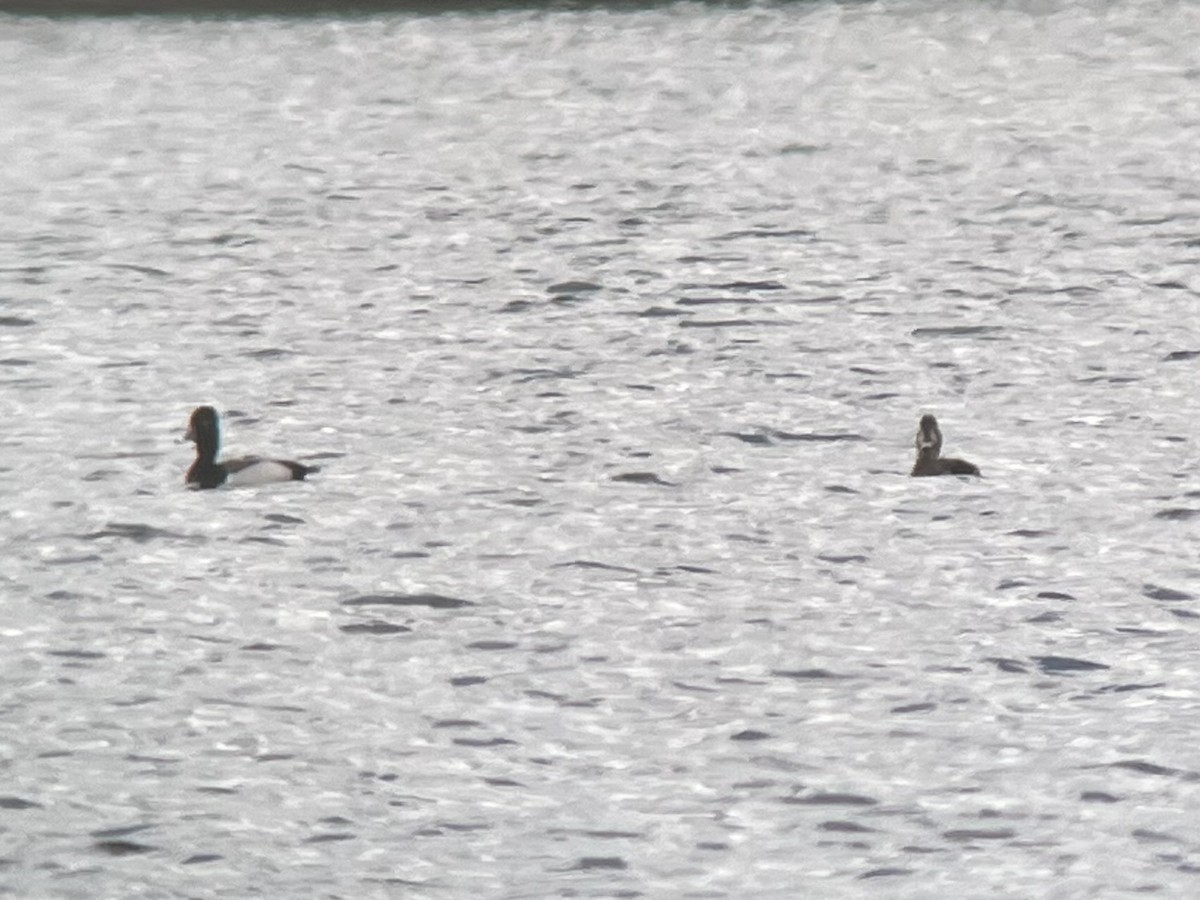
929, 453
205, 473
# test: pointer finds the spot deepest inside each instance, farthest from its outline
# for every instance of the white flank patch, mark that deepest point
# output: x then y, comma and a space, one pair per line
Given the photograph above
265, 471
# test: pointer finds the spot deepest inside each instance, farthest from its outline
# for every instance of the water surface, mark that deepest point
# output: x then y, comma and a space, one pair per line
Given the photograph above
611, 331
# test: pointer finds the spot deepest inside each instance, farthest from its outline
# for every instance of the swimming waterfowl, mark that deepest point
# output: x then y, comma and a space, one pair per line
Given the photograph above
929, 449
206, 472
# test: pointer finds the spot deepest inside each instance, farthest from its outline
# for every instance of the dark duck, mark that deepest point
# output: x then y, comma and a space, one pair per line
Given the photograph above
929, 453
205, 430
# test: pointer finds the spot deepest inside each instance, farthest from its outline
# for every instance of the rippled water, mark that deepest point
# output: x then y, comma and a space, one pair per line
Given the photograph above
610, 331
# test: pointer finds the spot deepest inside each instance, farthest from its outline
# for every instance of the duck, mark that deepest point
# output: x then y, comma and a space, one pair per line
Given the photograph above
929, 449
205, 431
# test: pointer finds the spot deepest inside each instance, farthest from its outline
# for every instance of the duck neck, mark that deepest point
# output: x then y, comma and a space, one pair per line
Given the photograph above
207, 444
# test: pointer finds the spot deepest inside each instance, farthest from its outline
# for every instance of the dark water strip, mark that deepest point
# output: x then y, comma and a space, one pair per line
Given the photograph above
301, 8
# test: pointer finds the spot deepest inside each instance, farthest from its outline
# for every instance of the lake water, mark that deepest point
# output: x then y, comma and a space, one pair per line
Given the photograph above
610, 330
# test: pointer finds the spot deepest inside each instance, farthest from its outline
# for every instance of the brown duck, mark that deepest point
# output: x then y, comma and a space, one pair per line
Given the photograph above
929, 450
